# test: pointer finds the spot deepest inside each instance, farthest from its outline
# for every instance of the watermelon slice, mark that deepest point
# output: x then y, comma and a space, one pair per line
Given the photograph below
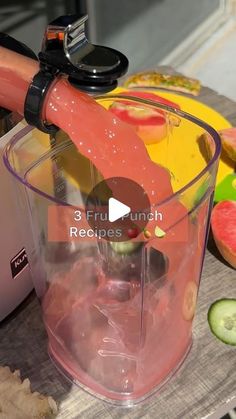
223, 223
150, 123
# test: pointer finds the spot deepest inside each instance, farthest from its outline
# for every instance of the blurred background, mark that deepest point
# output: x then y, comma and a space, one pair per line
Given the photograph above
146, 30
194, 36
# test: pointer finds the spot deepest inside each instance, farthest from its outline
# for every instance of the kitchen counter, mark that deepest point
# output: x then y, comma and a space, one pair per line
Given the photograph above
205, 386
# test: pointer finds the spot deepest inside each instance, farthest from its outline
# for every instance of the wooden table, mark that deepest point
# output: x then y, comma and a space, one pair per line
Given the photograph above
205, 386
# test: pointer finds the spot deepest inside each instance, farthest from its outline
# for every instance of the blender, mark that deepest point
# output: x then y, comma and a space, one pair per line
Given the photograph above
15, 280
118, 310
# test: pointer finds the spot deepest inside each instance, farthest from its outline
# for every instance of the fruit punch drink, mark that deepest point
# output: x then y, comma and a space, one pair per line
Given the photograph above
118, 310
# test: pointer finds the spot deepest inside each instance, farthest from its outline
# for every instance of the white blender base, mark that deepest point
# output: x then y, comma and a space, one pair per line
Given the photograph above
13, 292
15, 277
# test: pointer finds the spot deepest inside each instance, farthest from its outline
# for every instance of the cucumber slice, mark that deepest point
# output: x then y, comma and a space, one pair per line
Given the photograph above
222, 320
124, 248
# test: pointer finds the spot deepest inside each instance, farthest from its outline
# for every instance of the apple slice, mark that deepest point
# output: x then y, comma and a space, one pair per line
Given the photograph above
150, 123
228, 140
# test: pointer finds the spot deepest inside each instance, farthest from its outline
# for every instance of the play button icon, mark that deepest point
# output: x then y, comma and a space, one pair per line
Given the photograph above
117, 210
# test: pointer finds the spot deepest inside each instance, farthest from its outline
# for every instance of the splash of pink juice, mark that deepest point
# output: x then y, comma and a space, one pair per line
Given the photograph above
118, 339
112, 146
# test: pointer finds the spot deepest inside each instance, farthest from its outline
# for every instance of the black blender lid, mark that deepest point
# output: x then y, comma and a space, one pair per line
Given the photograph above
92, 68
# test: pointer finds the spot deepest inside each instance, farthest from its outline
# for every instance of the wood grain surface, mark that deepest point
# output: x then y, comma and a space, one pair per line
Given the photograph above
205, 383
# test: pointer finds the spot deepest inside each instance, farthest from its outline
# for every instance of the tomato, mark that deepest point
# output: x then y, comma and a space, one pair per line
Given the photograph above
133, 232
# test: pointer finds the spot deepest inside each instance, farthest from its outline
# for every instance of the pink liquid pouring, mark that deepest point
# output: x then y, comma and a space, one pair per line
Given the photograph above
119, 339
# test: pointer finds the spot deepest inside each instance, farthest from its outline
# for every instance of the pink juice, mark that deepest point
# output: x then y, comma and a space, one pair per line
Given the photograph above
119, 337
122, 338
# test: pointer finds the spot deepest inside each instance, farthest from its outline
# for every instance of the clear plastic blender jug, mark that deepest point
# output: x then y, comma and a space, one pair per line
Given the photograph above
119, 317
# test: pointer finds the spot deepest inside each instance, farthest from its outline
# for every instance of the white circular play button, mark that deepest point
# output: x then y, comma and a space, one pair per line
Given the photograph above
117, 210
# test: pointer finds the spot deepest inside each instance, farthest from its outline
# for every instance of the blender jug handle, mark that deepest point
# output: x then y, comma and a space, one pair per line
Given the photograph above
66, 51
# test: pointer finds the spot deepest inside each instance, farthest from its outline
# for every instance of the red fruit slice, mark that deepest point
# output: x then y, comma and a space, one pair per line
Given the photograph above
138, 114
228, 139
190, 300
150, 123
223, 224
151, 96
